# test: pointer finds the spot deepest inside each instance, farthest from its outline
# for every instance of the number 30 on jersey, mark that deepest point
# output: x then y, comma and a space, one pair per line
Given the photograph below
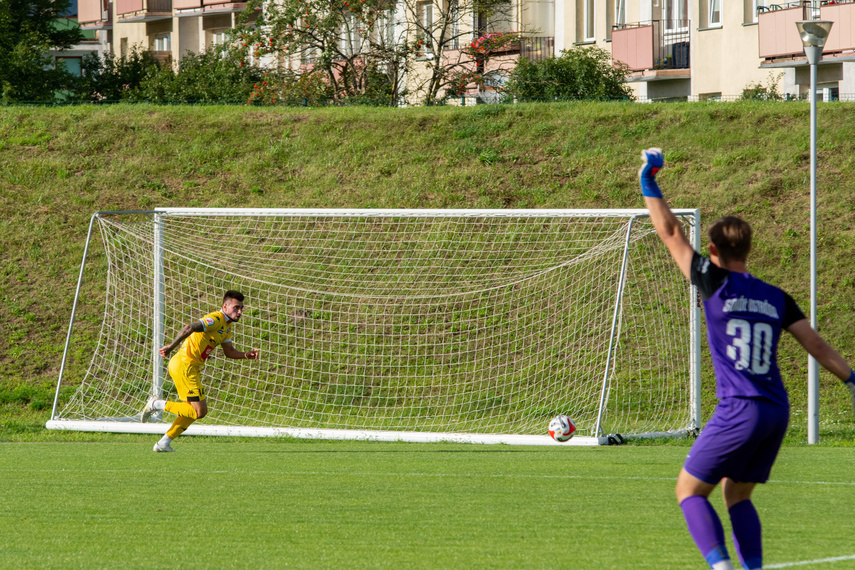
751, 345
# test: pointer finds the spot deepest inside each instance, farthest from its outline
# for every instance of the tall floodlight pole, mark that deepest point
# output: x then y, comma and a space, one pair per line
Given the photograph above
813, 34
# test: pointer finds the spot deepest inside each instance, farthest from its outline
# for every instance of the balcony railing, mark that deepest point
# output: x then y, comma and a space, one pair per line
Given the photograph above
208, 6
94, 14
657, 44
778, 36
143, 10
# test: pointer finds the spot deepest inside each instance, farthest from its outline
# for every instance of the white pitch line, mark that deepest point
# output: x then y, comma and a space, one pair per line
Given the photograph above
413, 474
807, 562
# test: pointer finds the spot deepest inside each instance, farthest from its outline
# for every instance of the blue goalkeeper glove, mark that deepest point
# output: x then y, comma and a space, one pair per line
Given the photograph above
653, 161
851, 385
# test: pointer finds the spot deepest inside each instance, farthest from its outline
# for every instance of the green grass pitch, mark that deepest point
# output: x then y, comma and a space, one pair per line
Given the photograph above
219, 503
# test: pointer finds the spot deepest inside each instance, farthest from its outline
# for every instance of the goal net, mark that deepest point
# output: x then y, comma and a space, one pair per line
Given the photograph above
415, 325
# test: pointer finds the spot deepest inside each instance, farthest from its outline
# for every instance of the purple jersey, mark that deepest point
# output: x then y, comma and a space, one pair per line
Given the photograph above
745, 317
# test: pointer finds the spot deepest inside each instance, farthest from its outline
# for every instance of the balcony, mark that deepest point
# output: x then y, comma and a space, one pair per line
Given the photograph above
143, 10
206, 7
95, 14
778, 38
658, 49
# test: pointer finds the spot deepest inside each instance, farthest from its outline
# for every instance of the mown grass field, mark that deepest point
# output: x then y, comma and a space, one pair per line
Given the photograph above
274, 504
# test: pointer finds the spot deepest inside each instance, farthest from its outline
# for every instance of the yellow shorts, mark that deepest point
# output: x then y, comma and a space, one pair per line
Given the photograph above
187, 377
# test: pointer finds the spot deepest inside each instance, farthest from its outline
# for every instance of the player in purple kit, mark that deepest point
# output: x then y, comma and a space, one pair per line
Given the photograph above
745, 317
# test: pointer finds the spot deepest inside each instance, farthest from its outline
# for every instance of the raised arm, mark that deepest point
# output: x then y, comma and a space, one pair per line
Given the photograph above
195, 326
666, 223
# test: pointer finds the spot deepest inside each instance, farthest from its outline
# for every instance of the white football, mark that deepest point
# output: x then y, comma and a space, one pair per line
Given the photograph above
561, 428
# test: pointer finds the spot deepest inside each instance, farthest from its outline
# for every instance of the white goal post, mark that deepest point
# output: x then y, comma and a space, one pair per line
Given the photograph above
395, 325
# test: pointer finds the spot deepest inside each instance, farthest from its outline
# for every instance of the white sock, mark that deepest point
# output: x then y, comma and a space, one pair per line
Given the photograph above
159, 405
165, 440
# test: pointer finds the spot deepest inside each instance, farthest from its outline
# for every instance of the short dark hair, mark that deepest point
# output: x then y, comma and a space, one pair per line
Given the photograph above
732, 238
231, 294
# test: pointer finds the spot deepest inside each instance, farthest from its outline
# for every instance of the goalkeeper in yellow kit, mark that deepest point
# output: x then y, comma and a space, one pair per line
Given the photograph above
198, 340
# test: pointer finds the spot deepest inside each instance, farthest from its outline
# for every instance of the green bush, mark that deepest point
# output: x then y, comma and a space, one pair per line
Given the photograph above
112, 78
290, 88
212, 76
579, 73
760, 92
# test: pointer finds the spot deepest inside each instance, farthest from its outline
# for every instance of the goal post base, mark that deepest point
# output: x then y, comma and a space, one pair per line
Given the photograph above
322, 433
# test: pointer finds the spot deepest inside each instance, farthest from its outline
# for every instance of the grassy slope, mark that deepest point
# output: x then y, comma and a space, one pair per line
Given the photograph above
58, 166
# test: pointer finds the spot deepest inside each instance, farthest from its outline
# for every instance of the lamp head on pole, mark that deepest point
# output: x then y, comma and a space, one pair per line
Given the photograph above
814, 34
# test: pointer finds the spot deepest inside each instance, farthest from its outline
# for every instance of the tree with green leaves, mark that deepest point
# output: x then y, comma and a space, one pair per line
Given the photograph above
348, 43
28, 33
373, 48
579, 73
448, 53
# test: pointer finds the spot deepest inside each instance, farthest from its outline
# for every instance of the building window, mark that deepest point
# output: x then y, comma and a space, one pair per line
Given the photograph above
386, 27
715, 13
123, 47
426, 21
620, 12
349, 38
163, 42
589, 20
218, 37
454, 24
674, 13
70, 64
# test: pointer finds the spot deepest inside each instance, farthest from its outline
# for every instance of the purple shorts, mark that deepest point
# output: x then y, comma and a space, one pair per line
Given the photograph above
741, 441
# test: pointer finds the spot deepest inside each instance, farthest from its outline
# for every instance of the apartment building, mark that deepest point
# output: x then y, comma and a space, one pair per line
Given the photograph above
169, 28
709, 49
675, 49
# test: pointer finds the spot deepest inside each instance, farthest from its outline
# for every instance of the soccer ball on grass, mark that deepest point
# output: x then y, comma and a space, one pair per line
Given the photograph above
561, 428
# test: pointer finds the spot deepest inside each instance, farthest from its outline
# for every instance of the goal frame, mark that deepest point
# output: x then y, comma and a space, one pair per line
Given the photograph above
132, 425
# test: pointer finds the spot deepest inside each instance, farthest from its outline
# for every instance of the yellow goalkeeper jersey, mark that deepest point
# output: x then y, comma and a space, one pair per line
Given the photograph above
197, 347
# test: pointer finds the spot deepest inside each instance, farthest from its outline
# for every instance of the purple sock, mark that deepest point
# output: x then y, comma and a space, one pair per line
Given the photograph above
705, 528
747, 534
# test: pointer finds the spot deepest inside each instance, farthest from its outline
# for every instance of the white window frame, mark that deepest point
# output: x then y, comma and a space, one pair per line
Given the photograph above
163, 41
714, 13
386, 27
349, 37
620, 12
454, 17
673, 11
589, 22
219, 36
426, 19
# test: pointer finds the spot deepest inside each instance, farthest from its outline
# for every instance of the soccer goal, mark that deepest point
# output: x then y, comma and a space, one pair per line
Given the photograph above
414, 325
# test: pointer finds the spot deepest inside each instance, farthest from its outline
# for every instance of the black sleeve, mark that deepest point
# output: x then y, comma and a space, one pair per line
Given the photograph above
706, 275
792, 312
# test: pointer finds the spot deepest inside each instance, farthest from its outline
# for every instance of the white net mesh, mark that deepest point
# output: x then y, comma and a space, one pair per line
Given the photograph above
402, 321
